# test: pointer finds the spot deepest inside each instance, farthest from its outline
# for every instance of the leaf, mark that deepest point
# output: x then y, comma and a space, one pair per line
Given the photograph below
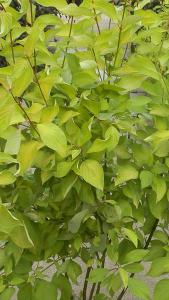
92, 172
73, 270
110, 142
59, 4
125, 173
75, 222
113, 135
14, 228
134, 268
98, 146
63, 284
159, 186
6, 158
146, 178
161, 290
67, 115
53, 137
139, 289
20, 237
25, 292
97, 275
5, 23
6, 177
22, 70
7, 293
13, 141
27, 152
124, 276
49, 113
158, 136
63, 168
86, 194
131, 235
135, 255
43, 289
159, 266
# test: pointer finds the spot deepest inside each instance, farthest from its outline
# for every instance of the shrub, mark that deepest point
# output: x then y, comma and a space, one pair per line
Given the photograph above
84, 149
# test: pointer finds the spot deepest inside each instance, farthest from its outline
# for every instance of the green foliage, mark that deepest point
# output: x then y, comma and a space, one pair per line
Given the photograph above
84, 149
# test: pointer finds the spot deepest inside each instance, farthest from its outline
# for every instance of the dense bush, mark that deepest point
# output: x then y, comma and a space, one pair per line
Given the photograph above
84, 141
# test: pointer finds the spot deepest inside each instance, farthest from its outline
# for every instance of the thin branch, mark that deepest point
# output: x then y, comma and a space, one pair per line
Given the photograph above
12, 48
86, 283
37, 81
145, 247
48, 267
10, 36
124, 56
95, 58
120, 33
32, 22
25, 113
31, 12
96, 19
68, 42
102, 266
92, 291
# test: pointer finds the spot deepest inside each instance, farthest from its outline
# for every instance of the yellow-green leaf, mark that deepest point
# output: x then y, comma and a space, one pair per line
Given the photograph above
53, 137
92, 172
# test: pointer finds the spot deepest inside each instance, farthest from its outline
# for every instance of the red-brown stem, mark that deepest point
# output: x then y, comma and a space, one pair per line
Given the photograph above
86, 283
92, 291
25, 113
96, 19
10, 36
32, 21
37, 81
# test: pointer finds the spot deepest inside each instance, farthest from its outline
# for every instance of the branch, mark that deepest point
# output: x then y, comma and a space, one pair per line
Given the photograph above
120, 33
37, 81
92, 291
10, 36
145, 247
102, 265
25, 113
68, 42
95, 58
96, 19
12, 49
86, 282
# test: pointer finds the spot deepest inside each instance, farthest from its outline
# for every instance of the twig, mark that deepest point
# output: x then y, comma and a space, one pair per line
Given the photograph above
96, 19
37, 80
95, 58
25, 113
68, 42
120, 33
92, 291
48, 267
31, 12
32, 22
145, 247
86, 283
102, 265
10, 36
126, 48
12, 49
